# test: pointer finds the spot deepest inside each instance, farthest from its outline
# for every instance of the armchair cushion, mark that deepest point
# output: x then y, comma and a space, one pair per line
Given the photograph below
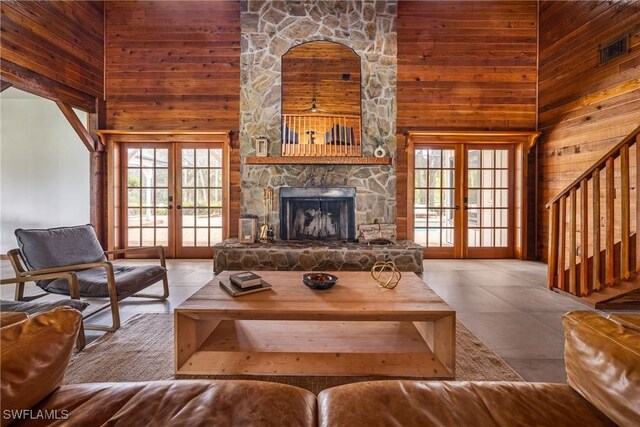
35, 354
93, 281
32, 308
56, 247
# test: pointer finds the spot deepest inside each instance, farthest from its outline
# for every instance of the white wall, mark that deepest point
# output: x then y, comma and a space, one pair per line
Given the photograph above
44, 167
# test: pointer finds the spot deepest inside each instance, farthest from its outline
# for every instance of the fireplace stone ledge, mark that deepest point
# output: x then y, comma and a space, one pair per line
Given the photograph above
314, 256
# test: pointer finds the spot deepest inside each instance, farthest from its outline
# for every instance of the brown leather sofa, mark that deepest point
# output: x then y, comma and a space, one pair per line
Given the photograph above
602, 361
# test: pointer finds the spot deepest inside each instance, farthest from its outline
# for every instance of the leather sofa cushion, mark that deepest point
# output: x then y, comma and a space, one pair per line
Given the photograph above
184, 403
430, 403
35, 354
9, 318
602, 359
628, 320
56, 247
93, 281
32, 308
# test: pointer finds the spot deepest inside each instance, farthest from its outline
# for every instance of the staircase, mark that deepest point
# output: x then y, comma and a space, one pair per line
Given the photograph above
599, 267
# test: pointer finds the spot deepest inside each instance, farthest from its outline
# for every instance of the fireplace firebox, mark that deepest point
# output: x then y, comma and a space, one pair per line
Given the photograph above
317, 213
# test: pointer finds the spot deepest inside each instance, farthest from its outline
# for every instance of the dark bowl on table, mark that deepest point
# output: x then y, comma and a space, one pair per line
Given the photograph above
319, 281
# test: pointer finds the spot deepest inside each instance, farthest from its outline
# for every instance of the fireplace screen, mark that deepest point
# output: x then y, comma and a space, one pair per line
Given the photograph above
317, 213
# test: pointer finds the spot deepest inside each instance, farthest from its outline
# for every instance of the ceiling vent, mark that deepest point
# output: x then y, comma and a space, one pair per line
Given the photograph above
614, 49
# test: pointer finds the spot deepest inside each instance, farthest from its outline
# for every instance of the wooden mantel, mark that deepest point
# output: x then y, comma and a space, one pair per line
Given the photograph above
164, 136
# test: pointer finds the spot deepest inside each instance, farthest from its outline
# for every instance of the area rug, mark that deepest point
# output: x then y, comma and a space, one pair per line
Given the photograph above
142, 350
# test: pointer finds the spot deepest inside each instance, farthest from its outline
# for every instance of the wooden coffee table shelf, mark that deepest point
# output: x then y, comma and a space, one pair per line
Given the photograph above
355, 328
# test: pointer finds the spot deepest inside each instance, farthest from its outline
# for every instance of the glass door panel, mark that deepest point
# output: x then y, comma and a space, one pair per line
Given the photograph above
434, 199
200, 206
147, 196
488, 201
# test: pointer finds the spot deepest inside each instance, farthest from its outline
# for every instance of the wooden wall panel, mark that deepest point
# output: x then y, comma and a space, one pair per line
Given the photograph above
175, 65
464, 65
59, 40
584, 108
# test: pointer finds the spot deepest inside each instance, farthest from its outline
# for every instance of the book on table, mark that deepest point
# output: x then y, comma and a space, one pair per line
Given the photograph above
245, 279
236, 291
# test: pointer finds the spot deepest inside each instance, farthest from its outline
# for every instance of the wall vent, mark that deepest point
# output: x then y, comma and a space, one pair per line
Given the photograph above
614, 49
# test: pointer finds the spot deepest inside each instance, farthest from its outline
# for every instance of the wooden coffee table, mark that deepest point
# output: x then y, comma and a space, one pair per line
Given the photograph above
354, 328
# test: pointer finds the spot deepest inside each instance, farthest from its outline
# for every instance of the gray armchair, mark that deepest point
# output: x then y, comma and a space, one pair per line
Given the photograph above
77, 250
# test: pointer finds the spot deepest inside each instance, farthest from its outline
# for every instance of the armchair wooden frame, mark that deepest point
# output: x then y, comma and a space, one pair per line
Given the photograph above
74, 292
31, 275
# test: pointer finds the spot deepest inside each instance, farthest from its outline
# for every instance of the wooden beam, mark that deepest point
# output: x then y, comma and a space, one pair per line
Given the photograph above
77, 125
36, 84
584, 239
4, 85
98, 211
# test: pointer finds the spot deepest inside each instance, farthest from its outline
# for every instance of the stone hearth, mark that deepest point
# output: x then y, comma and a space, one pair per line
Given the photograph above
314, 256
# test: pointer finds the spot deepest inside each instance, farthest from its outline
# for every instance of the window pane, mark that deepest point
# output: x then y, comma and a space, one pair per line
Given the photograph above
473, 237
215, 158
133, 217
434, 179
162, 157
133, 178
133, 157
502, 159
215, 235
487, 217
188, 219
447, 198
487, 178
435, 158
202, 158
215, 217
448, 217
502, 178
148, 237
420, 217
147, 177
133, 198
202, 217
162, 236
501, 237
162, 177
147, 197
487, 198
148, 158
420, 198
474, 198
147, 219
162, 218
188, 237
447, 237
188, 198
474, 178
433, 237
434, 199
421, 159
502, 198
215, 177
188, 178
202, 197
487, 237
447, 178
448, 158
473, 218
487, 158
420, 236
501, 217
202, 237
202, 177
188, 156
162, 197
473, 157
133, 237
421, 180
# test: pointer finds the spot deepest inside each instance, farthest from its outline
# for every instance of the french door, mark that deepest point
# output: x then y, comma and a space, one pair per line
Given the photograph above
463, 200
173, 197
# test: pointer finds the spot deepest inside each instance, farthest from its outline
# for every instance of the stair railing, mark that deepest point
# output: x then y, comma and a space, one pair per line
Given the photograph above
604, 267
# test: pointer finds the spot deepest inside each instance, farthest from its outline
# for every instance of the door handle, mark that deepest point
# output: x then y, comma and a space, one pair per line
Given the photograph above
170, 207
457, 207
178, 207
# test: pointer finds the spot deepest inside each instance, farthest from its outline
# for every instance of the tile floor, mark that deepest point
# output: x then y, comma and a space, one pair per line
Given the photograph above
504, 302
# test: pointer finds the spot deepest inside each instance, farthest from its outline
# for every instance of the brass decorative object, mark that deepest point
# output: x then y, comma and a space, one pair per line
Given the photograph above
386, 274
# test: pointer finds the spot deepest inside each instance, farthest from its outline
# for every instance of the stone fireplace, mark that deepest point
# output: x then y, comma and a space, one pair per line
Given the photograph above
269, 30
317, 213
